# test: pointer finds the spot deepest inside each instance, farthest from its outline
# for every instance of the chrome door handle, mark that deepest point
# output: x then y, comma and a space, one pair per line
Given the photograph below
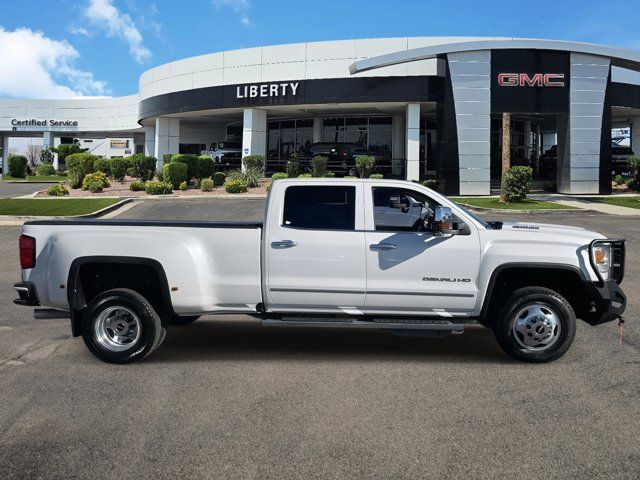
283, 244
377, 247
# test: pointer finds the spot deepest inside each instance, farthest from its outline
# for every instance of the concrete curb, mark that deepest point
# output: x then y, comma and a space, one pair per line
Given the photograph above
527, 212
19, 220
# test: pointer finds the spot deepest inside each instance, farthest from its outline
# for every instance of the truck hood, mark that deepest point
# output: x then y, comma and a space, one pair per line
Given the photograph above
577, 233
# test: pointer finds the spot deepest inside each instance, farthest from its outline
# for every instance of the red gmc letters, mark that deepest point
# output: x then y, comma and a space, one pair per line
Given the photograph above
535, 80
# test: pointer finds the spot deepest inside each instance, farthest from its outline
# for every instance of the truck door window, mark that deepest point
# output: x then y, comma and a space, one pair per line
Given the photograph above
320, 208
401, 210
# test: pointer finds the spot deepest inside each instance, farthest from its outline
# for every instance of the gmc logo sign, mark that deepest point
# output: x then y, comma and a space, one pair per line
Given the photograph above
536, 80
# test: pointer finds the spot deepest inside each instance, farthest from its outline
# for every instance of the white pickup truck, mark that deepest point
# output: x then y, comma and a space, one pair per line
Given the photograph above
382, 254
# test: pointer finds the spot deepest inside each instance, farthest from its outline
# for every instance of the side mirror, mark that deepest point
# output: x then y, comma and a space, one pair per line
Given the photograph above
442, 214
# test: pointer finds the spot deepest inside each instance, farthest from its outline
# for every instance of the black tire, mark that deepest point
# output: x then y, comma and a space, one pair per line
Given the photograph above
147, 334
554, 306
178, 320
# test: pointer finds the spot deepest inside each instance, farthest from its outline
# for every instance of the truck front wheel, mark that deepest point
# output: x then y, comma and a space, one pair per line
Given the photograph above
121, 326
536, 325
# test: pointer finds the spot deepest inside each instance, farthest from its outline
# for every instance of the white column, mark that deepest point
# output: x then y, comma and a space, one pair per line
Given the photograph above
397, 144
5, 155
47, 142
166, 139
317, 130
150, 141
635, 135
254, 132
413, 141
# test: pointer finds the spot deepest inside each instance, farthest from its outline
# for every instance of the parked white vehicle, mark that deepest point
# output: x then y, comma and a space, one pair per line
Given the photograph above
382, 254
225, 153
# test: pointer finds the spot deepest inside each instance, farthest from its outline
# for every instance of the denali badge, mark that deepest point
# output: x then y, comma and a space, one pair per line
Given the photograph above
446, 279
536, 80
527, 227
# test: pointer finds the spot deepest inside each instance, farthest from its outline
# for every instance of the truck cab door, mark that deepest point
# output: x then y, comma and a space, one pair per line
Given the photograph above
410, 268
313, 251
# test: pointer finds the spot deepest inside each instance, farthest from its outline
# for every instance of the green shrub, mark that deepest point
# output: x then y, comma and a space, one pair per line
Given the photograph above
57, 190
95, 186
79, 165
219, 178
102, 165
191, 161
206, 184
137, 186
279, 176
235, 186
250, 176
517, 184
91, 178
66, 149
143, 167
46, 156
293, 166
166, 158
329, 175
183, 186
376, 176
175, 173
18, 166
430, 183
254, 162
205, 166
158, 188
634, 166
46, 169
618, 180
365, 165
318, 166
550, 187
305, 175
119, 168
632, 184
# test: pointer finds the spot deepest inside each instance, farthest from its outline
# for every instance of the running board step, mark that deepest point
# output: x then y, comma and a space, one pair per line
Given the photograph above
377, 323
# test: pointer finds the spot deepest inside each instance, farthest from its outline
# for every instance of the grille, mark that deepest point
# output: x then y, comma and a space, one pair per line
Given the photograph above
617, 267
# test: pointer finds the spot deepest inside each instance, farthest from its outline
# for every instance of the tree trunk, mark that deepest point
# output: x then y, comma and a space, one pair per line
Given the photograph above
506, 150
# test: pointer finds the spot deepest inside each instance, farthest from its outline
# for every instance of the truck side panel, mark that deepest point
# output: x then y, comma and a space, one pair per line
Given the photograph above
207, 269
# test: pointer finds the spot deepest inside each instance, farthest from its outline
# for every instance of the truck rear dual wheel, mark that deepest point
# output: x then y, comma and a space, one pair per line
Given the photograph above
536, 324
121, 326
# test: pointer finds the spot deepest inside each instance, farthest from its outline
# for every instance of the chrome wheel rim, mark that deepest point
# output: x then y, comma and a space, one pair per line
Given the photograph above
536, 327
117, 328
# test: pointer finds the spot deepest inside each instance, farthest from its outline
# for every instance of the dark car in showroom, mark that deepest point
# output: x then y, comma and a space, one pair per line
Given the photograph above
341, 156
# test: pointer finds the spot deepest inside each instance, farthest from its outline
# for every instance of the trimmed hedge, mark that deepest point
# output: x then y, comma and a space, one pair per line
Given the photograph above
219, 178
236, 186
158, 188
18, 166
206, 185
319, 166
517, 183
102, 165
205, 166
143, 167
175, 173
279, 176
305, 175
191, 161
79, 165
57, 190
97, 178
137, 186
119, 168
430, 183
376, 176
46, 169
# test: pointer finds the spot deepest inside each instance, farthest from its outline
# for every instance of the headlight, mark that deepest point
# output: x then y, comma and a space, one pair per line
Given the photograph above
601, 256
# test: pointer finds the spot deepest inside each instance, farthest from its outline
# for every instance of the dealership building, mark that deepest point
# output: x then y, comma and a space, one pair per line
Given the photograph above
428, 107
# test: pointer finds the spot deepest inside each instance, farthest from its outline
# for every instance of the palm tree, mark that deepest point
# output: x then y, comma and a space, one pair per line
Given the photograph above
506, 150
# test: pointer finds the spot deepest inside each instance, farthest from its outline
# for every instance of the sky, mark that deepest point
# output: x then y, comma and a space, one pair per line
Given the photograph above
68, 49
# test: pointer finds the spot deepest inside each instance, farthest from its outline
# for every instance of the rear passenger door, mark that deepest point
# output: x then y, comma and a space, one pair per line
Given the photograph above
314, 250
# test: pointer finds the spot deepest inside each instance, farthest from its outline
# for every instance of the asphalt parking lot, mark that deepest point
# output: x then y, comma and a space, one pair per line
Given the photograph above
226, 398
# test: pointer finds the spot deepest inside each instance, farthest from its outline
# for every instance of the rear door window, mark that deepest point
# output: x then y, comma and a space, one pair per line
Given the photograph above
320, 207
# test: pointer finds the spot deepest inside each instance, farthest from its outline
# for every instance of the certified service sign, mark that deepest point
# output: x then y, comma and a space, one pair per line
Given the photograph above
33, 122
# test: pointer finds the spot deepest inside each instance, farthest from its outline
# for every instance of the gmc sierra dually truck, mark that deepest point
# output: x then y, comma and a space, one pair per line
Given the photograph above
380, 254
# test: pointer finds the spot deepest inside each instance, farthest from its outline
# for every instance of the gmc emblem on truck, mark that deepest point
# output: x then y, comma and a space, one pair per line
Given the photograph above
536, 80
